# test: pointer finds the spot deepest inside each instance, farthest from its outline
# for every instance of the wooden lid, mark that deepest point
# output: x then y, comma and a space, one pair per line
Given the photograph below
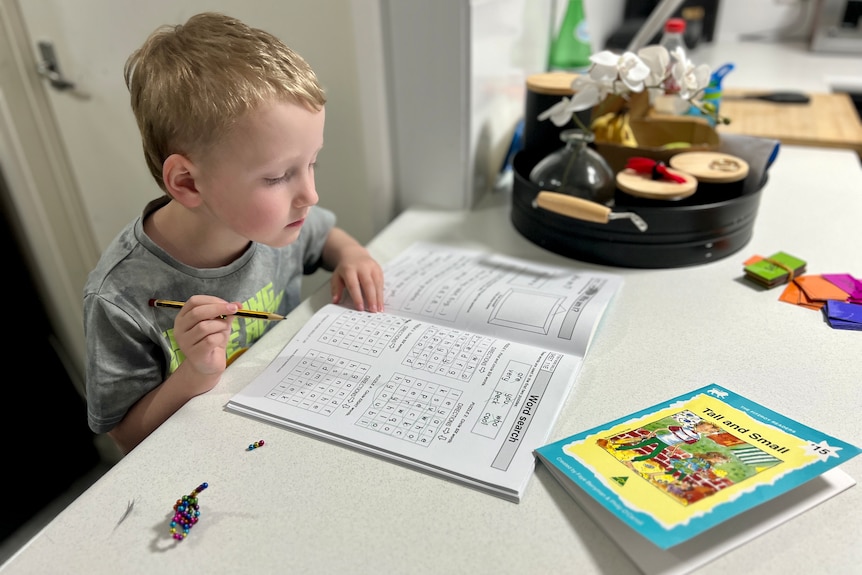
711, 167
551, 83
643, 186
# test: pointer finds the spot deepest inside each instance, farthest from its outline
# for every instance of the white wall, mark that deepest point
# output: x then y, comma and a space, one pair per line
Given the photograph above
426, 47
458, 87
764, 20
738, 20
508, 42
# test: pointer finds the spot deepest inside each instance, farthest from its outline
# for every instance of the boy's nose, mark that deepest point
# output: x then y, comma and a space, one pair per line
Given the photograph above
307, 195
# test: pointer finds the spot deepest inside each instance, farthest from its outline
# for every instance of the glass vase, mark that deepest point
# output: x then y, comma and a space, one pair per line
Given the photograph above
576, 170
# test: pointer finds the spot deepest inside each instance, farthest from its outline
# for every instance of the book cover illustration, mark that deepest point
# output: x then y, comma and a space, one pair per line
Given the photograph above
676, 469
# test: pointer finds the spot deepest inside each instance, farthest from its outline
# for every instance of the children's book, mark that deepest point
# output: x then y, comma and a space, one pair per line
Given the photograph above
673, 473
463, 376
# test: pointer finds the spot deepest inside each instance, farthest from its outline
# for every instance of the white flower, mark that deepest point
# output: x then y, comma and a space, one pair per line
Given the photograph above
560, 113
628, 69
589, 92
650, 69
691, 79
657, 59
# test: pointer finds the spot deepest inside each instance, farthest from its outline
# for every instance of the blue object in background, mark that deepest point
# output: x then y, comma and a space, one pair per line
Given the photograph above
718, 75
514, 147
711, 98
506, 175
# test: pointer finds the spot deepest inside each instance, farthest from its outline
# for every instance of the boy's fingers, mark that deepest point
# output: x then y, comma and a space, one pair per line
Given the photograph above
336, 288
355, 291
373, 292
380, 300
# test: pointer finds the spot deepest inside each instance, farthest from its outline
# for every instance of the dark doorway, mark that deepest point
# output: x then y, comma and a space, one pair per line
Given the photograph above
47, 441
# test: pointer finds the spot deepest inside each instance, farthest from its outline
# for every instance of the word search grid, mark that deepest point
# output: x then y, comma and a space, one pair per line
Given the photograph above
405, 407
410, 409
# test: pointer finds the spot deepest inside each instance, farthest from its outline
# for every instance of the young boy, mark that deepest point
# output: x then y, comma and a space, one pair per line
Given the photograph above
232, 124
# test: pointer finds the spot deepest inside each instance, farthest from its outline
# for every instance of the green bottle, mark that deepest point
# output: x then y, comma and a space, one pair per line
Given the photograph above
570, 49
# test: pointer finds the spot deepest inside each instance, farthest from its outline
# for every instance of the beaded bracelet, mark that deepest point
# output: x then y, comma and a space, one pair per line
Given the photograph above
186, 513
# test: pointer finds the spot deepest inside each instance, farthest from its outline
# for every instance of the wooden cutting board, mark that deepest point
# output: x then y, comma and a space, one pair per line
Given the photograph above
827, 121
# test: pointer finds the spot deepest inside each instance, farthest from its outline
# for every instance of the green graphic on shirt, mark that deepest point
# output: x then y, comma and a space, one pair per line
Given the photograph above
244, 331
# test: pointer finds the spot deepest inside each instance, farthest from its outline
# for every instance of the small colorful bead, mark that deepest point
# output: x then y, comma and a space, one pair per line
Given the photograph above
255, 445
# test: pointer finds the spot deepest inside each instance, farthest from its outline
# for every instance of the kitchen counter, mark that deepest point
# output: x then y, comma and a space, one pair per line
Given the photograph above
781, 67
830, 120
304, 505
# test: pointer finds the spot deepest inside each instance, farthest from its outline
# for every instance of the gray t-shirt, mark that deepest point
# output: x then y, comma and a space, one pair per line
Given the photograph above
130, 345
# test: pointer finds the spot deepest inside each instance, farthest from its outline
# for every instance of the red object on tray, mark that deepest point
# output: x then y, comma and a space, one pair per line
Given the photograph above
658, 170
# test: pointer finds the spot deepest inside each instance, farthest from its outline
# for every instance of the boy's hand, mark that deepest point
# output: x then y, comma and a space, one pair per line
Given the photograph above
202, 331
363, 278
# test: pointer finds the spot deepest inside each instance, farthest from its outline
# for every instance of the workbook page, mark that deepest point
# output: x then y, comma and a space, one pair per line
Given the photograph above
557, 307
467, 406
462, 376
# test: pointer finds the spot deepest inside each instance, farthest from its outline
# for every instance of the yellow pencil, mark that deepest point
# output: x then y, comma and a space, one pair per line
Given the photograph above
243, 312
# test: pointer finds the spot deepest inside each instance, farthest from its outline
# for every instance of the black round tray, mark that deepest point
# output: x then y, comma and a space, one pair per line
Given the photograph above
692, 231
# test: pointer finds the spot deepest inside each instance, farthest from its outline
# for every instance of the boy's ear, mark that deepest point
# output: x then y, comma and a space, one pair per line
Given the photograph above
178, 176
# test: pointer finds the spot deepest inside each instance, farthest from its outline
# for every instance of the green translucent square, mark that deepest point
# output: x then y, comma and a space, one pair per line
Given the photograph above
770, 271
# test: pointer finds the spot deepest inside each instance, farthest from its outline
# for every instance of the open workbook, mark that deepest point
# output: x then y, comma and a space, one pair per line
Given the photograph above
463, 376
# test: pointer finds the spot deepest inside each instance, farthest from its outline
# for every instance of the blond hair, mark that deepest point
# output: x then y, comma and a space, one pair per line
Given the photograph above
190, 83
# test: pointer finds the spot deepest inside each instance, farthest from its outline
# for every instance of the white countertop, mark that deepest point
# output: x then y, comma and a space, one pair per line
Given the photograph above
302, 505
782, 66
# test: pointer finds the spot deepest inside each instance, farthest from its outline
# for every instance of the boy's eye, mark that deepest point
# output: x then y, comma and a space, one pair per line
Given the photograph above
287, 176
278, 180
